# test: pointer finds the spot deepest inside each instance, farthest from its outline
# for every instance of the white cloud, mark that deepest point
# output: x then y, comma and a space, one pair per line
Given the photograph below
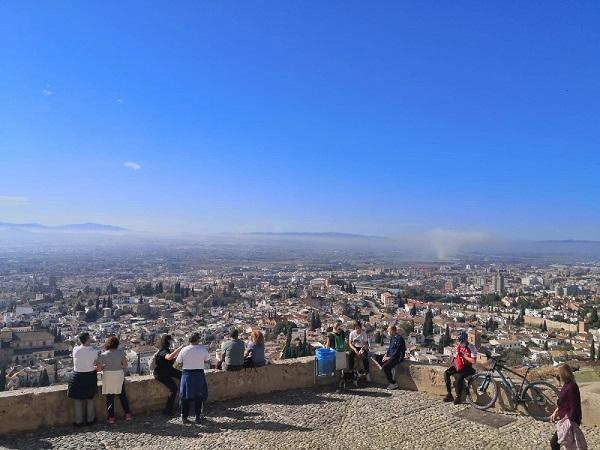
47, 92
11, 200
119, 100
132, 165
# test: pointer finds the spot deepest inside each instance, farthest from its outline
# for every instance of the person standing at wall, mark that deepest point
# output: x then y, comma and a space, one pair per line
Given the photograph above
165, 373
113, 362
83, 383
568, 414
193, 387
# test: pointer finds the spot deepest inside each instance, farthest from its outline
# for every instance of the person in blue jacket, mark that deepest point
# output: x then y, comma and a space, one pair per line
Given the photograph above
393, 356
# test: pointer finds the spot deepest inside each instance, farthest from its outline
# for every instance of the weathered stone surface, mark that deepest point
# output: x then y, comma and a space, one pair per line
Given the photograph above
369, 418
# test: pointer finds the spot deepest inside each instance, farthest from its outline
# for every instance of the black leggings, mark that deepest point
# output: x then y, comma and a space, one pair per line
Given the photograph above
169, 382
110, 402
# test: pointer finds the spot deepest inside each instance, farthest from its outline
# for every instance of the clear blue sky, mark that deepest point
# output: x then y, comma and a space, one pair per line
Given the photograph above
385, 118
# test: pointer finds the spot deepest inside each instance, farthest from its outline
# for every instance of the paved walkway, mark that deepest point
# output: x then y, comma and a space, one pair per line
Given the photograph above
359, 419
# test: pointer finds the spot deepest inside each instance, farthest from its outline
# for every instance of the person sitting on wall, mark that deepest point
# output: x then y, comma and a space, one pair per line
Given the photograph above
232, 353
165, 373
255, 353
359, 348
463, 367
393, 356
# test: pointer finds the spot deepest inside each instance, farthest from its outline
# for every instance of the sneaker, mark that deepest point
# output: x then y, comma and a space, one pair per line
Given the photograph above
368, 377
128, 417
448, 398
199, 419
457, 401
111, 420
185, 420
392, 386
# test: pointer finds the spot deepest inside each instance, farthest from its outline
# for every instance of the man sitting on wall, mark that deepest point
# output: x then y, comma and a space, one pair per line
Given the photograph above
464, 361
393, 356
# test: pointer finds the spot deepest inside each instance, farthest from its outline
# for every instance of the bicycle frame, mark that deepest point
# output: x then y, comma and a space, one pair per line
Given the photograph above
497, 368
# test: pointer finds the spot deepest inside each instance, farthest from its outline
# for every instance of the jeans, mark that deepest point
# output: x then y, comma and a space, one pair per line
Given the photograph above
110, 402
198, 407
387, 367
365, 359
460, 378
169, 382
85, 411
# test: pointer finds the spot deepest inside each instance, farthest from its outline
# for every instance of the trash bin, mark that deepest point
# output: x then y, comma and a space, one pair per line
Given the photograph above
325, 358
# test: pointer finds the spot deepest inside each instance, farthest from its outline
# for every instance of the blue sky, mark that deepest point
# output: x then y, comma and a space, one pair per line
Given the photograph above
386, 118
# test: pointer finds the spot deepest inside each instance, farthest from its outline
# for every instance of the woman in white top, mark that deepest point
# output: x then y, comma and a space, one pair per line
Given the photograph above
193, 386
83, 383
359, 347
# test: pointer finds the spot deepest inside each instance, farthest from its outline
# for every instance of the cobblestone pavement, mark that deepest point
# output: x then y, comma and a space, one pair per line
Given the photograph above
357, 419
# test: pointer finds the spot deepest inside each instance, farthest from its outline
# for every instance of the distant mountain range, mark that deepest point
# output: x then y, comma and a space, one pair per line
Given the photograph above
75, 227
568, 241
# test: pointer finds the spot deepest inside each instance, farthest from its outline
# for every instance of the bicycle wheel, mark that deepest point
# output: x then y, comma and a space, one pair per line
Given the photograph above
540, 399
482, 391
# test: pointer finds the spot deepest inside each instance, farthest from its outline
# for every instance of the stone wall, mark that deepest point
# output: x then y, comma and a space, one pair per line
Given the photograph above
29, 409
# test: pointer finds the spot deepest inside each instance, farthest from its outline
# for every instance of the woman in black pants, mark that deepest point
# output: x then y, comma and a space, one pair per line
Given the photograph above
165, 372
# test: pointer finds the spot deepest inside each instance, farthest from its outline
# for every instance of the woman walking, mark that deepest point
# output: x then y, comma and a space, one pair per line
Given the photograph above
193, 388
113, 362
83, 383
569, 408
165, 372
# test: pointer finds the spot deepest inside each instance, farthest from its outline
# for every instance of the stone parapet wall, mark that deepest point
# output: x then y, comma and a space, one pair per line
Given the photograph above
30, 409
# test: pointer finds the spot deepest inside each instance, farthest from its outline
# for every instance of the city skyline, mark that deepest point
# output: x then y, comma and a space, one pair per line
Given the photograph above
388, 120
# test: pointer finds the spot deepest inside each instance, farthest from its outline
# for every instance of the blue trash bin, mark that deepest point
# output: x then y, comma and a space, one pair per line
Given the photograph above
325, 361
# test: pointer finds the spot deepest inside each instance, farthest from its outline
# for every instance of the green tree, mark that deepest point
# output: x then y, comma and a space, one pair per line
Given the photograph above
44, 379
592, 350
428, 324
2, 379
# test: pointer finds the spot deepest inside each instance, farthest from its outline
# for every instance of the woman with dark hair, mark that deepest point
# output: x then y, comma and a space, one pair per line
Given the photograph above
569, 407
113, 362
193, 386
164, 370
83, 383
255, 352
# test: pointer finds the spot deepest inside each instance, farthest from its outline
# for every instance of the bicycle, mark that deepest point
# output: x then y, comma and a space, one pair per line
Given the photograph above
538, 397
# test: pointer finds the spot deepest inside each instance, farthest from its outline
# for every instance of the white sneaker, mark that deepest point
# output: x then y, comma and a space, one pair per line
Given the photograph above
392, 387
369, 377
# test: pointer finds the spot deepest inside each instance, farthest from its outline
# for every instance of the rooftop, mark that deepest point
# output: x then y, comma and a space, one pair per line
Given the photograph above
368, 418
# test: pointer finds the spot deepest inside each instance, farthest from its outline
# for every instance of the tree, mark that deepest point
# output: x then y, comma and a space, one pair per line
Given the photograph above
546, 345
413, 310
91, 315
544, 327
44, 379
79, 307
2, 379
313, 321
90, 302
428, 325
109, 303
593, 350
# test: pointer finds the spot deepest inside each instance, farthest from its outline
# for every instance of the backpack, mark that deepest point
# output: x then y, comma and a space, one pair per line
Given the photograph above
152, 362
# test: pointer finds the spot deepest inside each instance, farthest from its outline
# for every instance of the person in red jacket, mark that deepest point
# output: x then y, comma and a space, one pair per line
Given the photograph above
466, 357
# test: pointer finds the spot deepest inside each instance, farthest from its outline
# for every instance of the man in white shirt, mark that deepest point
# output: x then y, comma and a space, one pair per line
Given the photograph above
193, 386
359, 347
